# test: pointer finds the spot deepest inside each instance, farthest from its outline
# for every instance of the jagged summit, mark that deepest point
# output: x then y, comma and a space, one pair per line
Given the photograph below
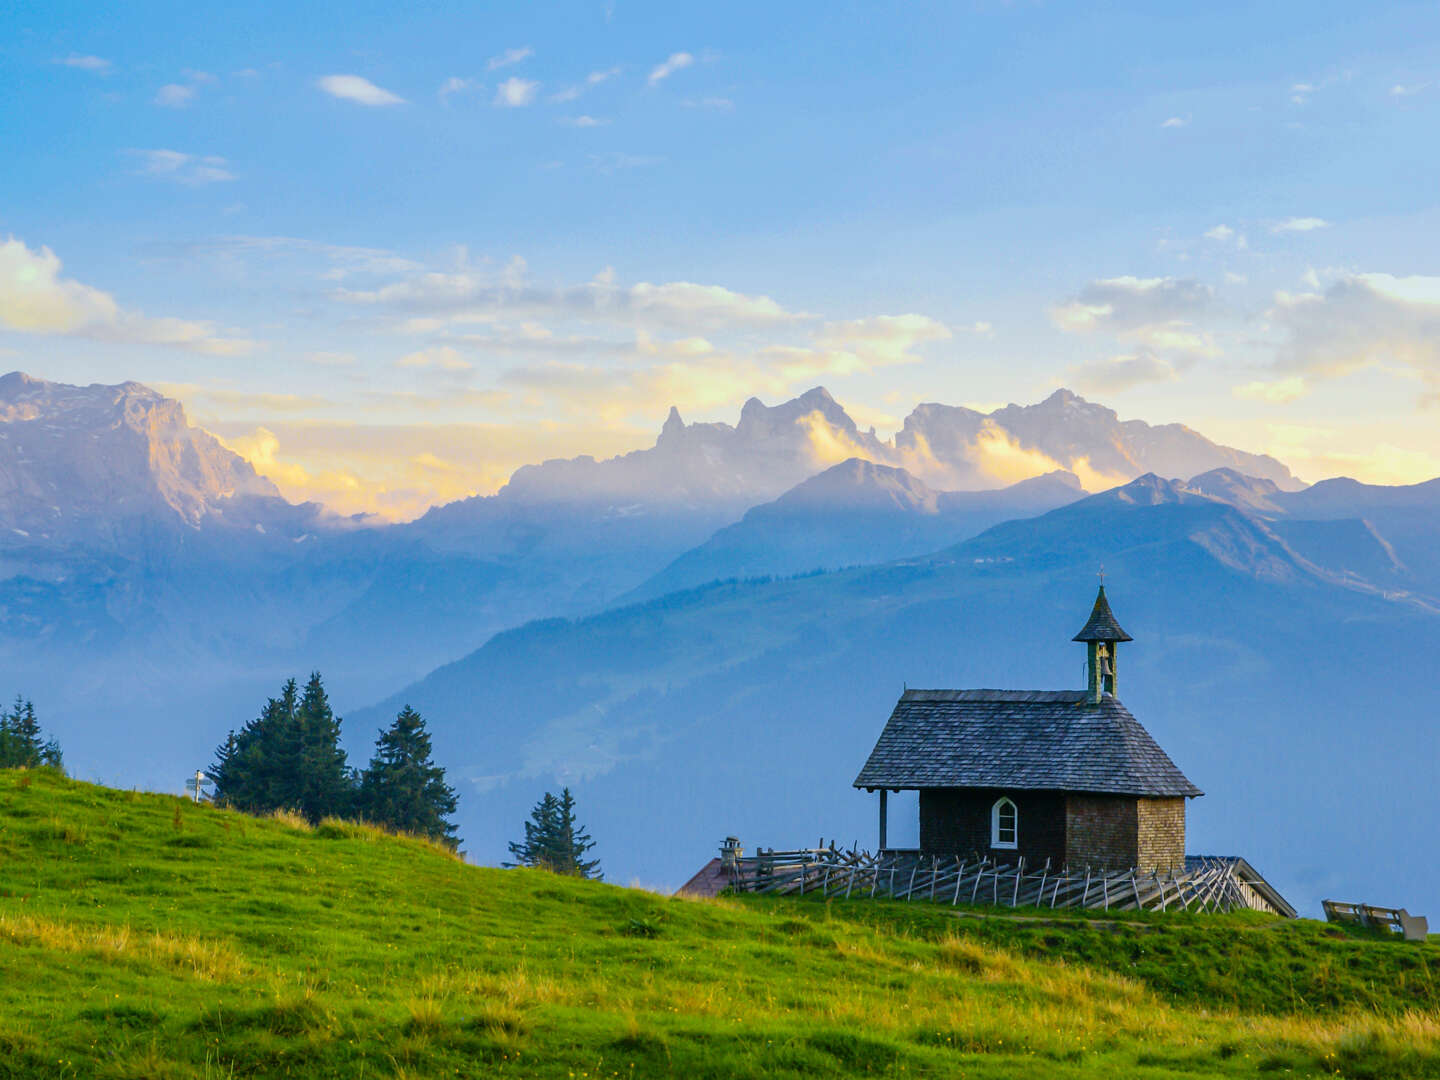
94, 462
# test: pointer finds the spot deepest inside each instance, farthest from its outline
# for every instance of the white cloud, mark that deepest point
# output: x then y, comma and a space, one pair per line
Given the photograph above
442, 357
97, 64
1299, 224
584, 121
595, 78
1225, 234
1300, 92
1232, 278
1275, 391
470, 297
174, 95
1157, 312
454, 85
35, 299
515, 92
357, 89
1120, 373
1362, 320
509, 57
1399, 90
1124, 303
673, 63
188, 169
1176, 122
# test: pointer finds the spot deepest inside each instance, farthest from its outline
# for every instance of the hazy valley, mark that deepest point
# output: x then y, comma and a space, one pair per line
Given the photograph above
733, 612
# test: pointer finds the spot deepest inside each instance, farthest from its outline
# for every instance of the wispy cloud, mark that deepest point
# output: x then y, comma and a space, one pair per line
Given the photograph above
455, 85
343, 261
1224, 234
1274, 392
331, 359
595, 78
441, 357
174, 95
584, 121
720, 104
357, 89
1361, 321
97, 64
1120, 373
1299, 224
36, 299
515, 92
180, 168
673, 63
469, 296
1176, 122
1400, 90
509, 57
1156, 312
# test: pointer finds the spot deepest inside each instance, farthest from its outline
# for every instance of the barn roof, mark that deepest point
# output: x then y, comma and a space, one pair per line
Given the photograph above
1045, 740
1102, 625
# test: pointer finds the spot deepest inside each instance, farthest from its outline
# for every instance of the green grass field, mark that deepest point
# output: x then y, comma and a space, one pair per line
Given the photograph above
144, 936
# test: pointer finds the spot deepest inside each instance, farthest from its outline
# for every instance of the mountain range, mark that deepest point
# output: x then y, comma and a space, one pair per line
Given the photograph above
703, 635
1293, 690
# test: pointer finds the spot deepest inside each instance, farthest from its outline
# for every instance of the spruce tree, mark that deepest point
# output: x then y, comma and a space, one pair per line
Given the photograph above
325, 781
287, 758
403, 788
22, 743
254, 767
554, 841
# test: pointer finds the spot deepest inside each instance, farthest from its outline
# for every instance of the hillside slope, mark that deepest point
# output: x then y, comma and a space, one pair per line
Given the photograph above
144, 936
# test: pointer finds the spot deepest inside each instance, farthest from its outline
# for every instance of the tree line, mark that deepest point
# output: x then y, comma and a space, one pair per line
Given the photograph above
22, 744
290, 758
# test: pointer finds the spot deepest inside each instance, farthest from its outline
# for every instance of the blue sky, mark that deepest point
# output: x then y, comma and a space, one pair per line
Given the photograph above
392, 252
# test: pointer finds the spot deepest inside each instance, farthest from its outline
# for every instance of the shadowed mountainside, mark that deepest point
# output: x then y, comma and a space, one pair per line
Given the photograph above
748, 708
854, 513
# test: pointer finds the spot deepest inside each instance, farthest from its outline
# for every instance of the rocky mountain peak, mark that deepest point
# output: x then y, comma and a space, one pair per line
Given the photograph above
81, 463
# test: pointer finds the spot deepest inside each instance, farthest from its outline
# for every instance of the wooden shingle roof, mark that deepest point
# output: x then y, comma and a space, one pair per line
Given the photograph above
1102, 625
1042, 740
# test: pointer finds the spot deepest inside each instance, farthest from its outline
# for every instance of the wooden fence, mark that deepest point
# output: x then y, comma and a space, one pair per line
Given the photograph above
1204, 885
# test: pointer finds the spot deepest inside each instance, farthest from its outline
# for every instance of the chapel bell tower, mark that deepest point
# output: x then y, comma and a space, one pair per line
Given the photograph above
1102, 636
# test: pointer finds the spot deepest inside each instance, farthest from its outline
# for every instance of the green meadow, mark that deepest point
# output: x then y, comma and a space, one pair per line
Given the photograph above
143, 936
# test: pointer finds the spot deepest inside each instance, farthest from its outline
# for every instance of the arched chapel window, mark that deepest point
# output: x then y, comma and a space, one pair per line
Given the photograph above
1004, 824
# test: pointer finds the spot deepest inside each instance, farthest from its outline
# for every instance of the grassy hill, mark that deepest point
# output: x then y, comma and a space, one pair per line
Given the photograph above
144, 936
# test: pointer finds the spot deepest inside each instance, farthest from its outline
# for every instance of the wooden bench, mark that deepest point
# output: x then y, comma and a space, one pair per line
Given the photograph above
1395, 920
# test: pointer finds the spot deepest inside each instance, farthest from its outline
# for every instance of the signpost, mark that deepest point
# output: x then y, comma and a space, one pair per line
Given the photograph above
198, 783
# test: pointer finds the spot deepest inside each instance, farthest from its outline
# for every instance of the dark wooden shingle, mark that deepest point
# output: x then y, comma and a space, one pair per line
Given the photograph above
1045, 740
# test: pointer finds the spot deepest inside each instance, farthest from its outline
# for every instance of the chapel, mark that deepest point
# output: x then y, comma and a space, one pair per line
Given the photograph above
1067, 777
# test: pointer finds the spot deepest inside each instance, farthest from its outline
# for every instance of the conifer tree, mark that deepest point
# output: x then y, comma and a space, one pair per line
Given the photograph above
323, 778
403, 788
554, 841
22, 743
287, 758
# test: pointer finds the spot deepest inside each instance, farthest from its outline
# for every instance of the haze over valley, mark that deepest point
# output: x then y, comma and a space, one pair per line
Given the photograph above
728, 609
